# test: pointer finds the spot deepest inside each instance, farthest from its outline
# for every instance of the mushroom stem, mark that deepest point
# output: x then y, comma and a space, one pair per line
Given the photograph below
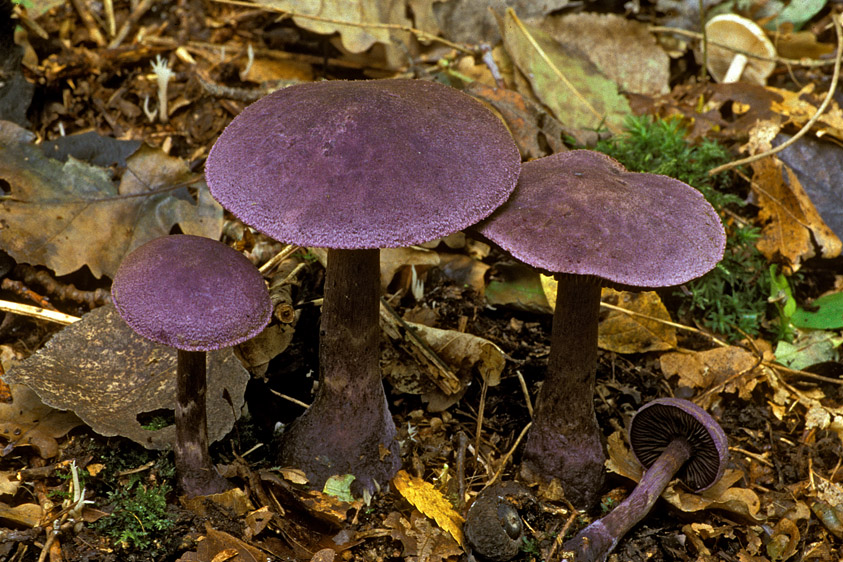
736, 68
595, 542
197, 474
348, 429
565, 441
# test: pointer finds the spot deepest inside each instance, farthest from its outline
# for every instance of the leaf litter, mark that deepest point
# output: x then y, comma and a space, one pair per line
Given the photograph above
782, 495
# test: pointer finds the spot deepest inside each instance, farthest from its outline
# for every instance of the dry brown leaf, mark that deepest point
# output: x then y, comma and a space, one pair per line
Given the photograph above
722, 495
536, 132
68, 215
793, 229
799, 107
429, 501
395, 259
9, 483
27, 421
355, 38
621, 460
705, 369
27, 514
108, 375
622, 48
218, 546
629, 333
422, 541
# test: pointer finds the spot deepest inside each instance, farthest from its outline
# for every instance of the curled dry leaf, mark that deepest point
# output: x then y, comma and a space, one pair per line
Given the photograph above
27, 514
462, 353
422, 541
706, 369
108, 375
27, 421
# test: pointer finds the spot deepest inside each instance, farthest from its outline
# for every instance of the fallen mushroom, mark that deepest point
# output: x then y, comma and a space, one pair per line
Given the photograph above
582, 216
493, 527
194, 294
728, 66
670, 438
354, 167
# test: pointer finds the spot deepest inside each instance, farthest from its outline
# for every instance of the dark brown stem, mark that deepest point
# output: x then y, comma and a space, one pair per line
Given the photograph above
197, 474
595, 542
348, 429
565, 441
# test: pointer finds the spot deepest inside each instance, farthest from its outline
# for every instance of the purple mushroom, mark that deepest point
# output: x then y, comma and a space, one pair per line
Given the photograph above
354, 167
583, 217
671, 438
196, 295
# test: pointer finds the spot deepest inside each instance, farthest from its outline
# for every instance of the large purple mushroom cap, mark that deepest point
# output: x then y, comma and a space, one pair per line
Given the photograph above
191, 293
366, 164
581, 212
661, 421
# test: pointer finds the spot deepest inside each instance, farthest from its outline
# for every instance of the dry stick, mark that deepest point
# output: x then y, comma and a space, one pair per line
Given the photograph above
37, 312
701, 37
526, 392
811, 121
511, 13
676, 325
478, 430
133, 18
89, 22
278, 258
508, 454
394, 26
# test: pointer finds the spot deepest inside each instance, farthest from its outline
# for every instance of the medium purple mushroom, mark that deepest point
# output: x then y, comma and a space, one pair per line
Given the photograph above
671, 438
196, 295
354, 167
582, 216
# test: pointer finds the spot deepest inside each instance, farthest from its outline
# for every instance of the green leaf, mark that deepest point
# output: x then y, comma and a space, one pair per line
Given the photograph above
570, 85
826, 314
339, 486
809, 349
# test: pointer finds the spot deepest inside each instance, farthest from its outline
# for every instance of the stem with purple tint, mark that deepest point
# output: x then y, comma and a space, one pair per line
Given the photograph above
196, 473
565, 441
595, 542
348, 429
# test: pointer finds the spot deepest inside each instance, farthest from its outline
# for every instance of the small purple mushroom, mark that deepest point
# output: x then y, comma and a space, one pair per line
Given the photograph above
582, 216
354, 167
196, 295
671, 438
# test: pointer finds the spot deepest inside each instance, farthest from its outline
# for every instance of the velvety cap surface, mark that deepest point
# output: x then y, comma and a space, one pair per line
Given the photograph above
581, 212
368, 164
659, 422
191, 293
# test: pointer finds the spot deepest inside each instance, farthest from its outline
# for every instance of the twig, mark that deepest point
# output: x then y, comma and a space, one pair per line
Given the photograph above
508, 454
700, 36
462, 445
811, 121
424, 35
511, 13
676, 325
278, 258
290, 399
133, 18
37, 312
90, 23
478, 430
526, 392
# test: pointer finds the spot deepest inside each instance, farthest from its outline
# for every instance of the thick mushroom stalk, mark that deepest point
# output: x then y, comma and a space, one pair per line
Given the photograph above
353, 167
565, 438
685, 441
348, 428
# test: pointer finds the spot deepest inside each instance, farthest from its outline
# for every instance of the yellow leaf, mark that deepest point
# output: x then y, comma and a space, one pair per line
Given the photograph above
621, 332
427, 499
